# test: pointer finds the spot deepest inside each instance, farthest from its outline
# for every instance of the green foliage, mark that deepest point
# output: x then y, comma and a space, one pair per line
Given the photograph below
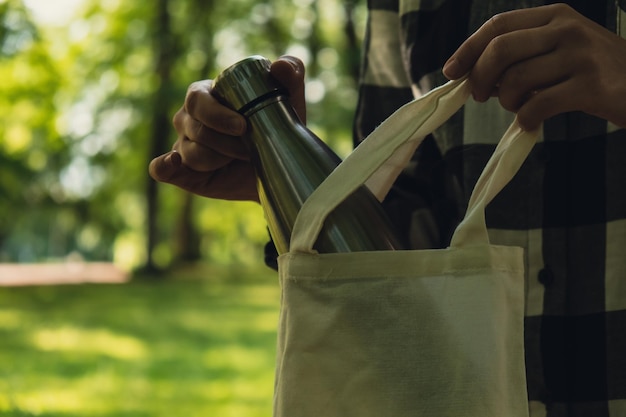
79, 104
120, 350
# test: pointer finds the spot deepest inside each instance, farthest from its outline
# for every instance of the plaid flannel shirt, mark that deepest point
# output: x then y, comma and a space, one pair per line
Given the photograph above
566, 207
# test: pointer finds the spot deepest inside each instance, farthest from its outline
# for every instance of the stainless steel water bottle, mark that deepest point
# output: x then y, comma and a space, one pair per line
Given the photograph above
290, 162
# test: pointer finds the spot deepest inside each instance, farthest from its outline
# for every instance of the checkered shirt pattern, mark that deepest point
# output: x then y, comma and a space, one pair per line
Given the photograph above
566, 207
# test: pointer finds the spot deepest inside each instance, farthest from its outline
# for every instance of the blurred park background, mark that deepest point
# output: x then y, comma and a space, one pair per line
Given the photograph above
88, 89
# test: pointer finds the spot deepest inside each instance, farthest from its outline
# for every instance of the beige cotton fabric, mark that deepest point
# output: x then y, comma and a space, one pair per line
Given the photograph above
435, 333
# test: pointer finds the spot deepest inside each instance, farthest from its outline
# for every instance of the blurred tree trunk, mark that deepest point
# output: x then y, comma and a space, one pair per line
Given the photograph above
186, 233
164, 53
187, 238
353, 54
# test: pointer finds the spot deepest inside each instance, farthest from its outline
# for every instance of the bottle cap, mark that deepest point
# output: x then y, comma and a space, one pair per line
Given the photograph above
244, 82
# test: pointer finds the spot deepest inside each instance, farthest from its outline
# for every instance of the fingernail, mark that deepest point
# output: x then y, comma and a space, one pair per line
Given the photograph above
451, 68
173, 159
295, 65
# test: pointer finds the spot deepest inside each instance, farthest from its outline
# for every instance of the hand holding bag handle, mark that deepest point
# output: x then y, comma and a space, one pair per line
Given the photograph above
378, 160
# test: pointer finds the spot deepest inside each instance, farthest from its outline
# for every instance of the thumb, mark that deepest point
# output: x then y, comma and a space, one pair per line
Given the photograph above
289, 70
163, 168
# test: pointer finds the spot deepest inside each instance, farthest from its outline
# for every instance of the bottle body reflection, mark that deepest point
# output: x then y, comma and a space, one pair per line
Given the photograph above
291, 162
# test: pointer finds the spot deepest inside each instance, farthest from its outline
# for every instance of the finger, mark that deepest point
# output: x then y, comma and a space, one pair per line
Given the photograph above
505, 51
289, 71
203, 107
230, 146
560, 98
200, 157
462, 61
236, 181
522, 80
164, 167
179, 120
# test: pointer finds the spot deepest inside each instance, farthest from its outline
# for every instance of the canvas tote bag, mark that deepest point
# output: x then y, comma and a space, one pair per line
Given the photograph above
435, 333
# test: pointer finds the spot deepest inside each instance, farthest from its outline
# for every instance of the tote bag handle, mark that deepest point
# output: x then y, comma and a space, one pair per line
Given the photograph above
380, 158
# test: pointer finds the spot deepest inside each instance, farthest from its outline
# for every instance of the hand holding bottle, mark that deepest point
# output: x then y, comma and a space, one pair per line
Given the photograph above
290, 162
208, 157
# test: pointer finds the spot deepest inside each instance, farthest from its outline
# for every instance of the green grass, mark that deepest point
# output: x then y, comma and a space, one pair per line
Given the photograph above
177, 347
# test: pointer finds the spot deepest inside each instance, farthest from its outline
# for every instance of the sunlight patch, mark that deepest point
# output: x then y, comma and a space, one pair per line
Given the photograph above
103, 342
236, 358
10, 319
